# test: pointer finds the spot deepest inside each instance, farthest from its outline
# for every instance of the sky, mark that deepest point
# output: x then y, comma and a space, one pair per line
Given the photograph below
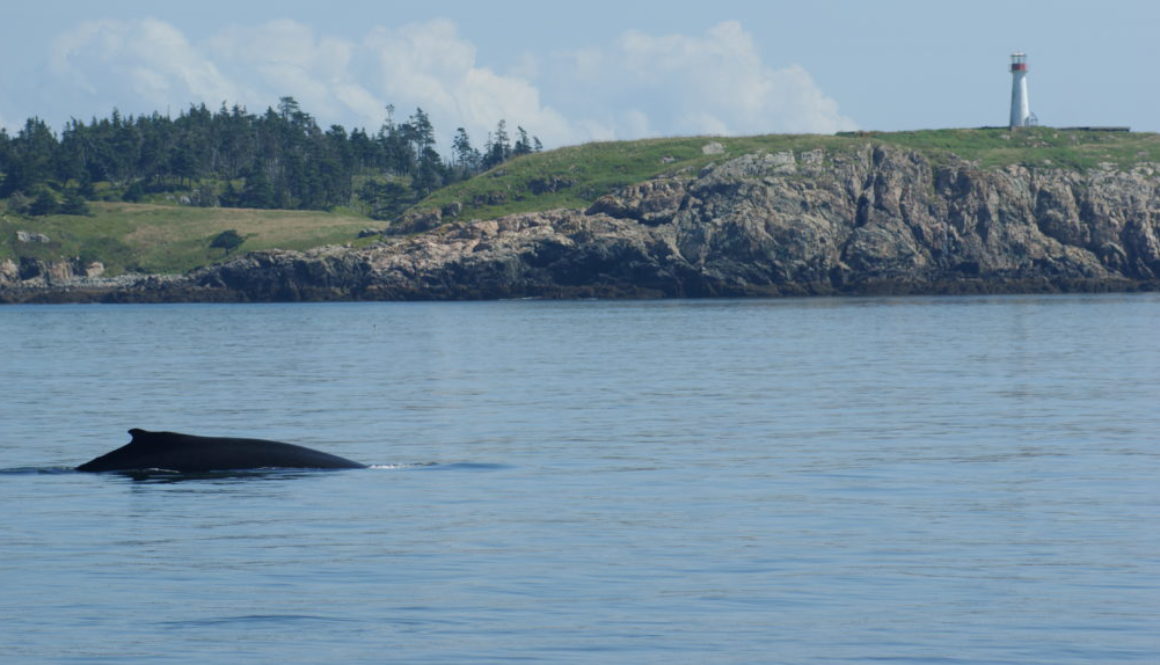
575, 72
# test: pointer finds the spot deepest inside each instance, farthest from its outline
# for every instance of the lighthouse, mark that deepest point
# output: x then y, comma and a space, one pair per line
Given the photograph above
1021, 115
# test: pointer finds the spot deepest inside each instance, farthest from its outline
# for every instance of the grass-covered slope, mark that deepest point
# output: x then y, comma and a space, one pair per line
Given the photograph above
173, 238
575, 177
169, 238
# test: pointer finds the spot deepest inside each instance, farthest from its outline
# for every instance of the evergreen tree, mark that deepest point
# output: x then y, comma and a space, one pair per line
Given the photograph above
466, 157
74, 203
125, 150
70, 156
429, 174
292, 114
30, 158
259, 191
386, 200
5, 149
134, 193
234, 136
396, 153
499, 148
231, 198
523, 146
362, 149
45, 203
158, 156
419, 132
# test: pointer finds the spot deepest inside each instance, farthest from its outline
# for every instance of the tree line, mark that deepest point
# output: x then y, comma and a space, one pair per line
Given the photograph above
234, 158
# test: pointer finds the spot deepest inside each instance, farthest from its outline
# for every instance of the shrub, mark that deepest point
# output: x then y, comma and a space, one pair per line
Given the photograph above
18, 203
45, 203
74, 204
229, 240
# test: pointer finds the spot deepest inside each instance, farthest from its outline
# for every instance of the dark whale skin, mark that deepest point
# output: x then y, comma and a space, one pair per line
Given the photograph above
187, 453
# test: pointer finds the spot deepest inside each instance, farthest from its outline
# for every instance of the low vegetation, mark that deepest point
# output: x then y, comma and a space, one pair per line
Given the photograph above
1041, 147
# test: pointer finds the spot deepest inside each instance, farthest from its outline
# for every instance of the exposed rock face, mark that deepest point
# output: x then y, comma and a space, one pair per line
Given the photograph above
30, 272
880, 220
328, 273
35, 280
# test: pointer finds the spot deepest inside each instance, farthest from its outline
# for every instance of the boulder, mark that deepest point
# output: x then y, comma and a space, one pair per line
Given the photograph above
29, 237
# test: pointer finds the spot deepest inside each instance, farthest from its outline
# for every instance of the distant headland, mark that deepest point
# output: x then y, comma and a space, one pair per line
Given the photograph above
990, 210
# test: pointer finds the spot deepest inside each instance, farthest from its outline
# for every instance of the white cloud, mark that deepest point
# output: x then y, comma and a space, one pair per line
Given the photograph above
145, 60
285, 58
430, 65
424, 65
640, 85
710, 84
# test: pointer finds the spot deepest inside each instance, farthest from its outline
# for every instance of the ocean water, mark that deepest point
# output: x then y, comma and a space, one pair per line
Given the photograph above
910, 480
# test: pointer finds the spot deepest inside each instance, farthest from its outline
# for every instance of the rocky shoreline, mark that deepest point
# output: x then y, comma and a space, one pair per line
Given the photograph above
880, 220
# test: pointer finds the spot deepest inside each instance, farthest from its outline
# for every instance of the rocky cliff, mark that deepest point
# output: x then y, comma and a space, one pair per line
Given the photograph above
878, 219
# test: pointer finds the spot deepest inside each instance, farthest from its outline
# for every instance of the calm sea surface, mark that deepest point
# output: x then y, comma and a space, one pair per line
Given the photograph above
913, 480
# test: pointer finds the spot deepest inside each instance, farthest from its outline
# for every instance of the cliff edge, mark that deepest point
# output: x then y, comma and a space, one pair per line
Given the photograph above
878, 219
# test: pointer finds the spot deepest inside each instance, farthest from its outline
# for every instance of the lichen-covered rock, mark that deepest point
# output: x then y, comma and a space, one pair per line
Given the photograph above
652, 202
32, 237
9, 272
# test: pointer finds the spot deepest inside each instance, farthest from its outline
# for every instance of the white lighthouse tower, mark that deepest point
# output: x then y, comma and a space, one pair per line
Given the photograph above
1021, 115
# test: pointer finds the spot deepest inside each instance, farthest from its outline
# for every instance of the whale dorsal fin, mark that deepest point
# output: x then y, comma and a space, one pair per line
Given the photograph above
141, 435
144, 437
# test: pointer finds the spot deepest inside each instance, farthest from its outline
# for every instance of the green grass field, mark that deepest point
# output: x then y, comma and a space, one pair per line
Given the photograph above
1042, 147
171, 238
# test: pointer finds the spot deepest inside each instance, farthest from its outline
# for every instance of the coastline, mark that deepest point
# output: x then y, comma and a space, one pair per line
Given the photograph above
879, 221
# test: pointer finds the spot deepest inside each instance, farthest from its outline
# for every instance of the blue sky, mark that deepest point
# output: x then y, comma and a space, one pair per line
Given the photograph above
581, 71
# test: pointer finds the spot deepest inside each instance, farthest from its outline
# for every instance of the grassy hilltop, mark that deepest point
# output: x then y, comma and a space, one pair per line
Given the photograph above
581, 174
160, 237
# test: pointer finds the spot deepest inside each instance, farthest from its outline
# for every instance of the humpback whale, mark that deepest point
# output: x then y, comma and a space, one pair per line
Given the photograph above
193, 454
